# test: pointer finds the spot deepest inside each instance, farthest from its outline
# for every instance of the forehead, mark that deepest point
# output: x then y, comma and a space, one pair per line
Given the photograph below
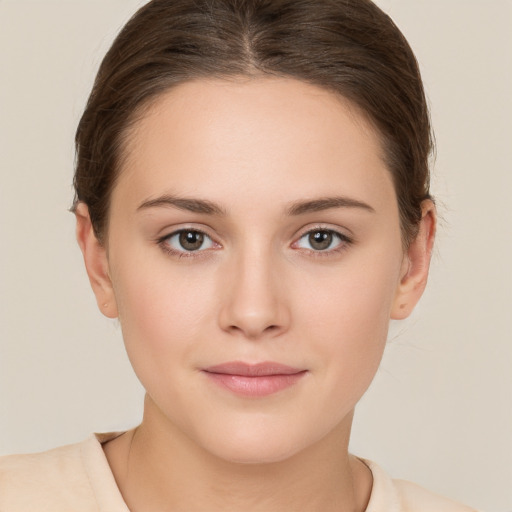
278, 136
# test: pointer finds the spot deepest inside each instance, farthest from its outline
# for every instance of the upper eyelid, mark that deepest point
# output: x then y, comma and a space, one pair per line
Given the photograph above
163, 243
340, 236
345, 240
167, 233
343, 234
164, 239
178, 231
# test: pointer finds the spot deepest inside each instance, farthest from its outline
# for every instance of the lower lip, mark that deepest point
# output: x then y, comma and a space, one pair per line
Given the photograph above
259, 386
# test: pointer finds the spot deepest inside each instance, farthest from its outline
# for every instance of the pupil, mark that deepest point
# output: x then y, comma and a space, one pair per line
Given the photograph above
320, 240
191, 240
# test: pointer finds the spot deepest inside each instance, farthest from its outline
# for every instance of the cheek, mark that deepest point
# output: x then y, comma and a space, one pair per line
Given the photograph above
347, 315
161, 311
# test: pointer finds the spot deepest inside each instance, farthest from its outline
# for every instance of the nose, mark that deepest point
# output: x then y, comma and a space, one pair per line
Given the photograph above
253, 302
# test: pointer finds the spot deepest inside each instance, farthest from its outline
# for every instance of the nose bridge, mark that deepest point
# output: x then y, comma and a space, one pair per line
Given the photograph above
253, 303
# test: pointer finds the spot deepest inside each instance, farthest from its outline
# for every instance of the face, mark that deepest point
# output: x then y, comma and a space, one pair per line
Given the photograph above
255, 258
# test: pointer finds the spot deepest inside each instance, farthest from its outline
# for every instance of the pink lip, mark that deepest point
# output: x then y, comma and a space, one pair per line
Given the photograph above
255, 380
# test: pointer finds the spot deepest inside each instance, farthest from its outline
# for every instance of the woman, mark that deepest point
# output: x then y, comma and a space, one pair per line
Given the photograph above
252, 203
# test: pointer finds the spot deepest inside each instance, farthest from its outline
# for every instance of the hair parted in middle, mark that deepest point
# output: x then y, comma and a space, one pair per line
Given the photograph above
349, 47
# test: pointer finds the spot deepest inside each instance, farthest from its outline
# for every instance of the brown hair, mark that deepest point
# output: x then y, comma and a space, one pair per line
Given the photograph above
349, 47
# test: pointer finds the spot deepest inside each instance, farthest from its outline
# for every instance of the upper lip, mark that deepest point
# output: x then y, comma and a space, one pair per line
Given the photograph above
253, 370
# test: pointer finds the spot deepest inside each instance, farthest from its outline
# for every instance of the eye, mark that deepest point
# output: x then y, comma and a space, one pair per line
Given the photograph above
321, 240
188, 240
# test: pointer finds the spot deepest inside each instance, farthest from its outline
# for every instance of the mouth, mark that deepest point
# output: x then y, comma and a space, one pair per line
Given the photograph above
254, 380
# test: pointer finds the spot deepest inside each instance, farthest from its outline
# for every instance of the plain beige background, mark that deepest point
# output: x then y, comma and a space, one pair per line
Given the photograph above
440, 410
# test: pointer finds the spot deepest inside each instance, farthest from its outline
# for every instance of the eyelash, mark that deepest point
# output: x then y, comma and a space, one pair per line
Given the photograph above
344, 242
163, 242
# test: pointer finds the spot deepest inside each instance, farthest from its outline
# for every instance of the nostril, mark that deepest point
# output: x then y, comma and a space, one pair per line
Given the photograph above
253, 312
253, 331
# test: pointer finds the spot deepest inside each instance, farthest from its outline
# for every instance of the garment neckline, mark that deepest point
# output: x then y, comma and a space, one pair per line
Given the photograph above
110, 499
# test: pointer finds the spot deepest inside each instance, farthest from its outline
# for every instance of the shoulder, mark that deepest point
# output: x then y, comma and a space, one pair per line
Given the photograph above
402, 496
67, 478
42, 481
418, 499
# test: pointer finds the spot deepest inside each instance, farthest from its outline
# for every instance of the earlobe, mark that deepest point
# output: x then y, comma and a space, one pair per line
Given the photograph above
416, 264
96, 262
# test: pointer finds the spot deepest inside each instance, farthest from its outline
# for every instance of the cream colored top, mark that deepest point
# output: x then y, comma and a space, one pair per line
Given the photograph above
77, 478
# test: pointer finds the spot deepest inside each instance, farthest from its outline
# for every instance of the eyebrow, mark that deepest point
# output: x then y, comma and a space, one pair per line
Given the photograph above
190, 205
325, 203
296, 208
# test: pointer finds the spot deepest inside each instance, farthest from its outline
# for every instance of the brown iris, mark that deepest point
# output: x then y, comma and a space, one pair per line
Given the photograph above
191, 240
320, 240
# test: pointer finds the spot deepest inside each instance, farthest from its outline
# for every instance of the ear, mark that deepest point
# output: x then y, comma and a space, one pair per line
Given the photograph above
416, 263
96, 262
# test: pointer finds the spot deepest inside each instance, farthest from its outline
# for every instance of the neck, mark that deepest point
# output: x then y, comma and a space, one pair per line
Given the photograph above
158, 468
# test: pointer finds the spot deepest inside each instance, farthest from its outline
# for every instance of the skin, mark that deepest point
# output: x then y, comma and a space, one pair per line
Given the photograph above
258, 290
